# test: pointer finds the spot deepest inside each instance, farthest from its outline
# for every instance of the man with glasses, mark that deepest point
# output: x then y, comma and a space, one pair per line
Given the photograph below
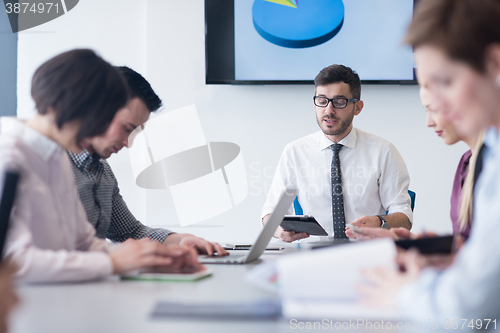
343, 175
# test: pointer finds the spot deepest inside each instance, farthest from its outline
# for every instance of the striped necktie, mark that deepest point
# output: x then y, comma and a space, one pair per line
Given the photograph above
337, 194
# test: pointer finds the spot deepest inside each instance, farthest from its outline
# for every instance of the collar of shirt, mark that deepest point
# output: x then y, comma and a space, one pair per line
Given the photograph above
491, 141
85, 160
491, 137
42, 145
348, 141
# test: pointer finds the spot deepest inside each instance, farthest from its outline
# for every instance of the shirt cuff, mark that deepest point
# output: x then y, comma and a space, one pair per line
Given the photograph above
402, 209
159, 235
267, 211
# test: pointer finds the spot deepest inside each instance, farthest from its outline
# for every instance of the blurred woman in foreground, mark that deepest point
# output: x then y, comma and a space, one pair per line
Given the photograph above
457, 49
8, 297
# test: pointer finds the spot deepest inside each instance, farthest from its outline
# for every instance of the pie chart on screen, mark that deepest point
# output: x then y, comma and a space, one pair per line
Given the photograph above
298, 23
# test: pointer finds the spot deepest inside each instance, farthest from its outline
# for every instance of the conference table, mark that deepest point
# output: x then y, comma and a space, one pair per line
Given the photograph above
113, 305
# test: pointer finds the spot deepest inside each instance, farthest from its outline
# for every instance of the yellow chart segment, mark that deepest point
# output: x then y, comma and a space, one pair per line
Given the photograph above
289, 3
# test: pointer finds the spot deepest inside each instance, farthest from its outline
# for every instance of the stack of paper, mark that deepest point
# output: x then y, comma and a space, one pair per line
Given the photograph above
322, 283
333, 273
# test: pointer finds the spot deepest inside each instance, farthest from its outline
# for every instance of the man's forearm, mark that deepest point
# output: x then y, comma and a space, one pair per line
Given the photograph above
173, 239
397, 220
265, 219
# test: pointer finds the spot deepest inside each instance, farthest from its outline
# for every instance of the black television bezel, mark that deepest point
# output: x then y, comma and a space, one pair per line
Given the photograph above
216, 47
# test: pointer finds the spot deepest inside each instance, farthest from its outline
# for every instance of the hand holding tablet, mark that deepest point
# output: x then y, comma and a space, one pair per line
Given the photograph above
303, 223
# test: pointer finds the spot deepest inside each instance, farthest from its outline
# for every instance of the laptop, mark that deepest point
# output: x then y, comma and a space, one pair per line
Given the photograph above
265, 236
6, 203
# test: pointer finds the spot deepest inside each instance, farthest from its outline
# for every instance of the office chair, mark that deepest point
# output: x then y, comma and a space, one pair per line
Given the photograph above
299, 211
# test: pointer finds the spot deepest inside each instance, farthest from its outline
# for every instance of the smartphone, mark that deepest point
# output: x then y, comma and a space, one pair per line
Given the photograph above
429, 245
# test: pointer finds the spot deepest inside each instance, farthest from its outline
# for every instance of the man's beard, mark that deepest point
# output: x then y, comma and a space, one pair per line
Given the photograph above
343, 125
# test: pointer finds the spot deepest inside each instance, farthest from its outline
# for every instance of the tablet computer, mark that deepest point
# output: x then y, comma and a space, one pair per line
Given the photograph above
429, 245
6, 202
303, 223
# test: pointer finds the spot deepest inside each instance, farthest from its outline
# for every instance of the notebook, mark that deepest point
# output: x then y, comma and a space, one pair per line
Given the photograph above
168, 277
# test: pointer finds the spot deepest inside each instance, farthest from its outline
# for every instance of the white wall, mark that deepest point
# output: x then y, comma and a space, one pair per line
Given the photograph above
115, 29
8, 67
164, 40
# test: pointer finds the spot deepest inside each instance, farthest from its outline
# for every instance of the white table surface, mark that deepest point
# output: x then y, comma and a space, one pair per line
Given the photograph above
126, 306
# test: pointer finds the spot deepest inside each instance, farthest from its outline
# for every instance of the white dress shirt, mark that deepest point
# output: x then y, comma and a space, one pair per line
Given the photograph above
374, 177
49, 238
470, 288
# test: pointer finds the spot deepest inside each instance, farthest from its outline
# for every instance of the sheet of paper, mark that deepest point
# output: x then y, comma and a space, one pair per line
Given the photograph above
332, 273
265, 276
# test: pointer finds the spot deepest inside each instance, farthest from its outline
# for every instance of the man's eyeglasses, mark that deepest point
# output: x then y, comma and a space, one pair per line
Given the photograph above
337, 102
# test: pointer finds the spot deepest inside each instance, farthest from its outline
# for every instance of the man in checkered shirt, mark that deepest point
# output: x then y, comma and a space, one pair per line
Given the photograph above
98, 188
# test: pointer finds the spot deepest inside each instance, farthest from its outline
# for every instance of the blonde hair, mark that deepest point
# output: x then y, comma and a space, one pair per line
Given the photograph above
467, 196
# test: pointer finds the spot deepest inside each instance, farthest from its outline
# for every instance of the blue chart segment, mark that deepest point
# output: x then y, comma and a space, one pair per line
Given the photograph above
306, 24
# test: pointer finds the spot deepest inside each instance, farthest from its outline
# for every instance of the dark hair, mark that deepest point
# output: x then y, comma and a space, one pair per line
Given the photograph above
463, 29
79, 84
141, 88
339, 73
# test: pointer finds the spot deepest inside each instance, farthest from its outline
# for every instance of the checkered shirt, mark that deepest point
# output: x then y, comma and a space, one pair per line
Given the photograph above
106, 210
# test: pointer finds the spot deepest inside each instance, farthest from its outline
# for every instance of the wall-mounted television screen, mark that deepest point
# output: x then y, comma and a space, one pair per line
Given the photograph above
290, 41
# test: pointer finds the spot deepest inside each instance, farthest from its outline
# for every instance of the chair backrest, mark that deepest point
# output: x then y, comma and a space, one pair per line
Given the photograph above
299, 211
297, 207
413, 196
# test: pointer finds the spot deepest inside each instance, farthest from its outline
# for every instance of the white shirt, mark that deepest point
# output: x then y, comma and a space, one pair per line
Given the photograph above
470, 288
49, 238
374, 177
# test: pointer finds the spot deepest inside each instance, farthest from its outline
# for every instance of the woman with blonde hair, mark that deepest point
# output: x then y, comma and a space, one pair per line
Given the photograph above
463, 184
